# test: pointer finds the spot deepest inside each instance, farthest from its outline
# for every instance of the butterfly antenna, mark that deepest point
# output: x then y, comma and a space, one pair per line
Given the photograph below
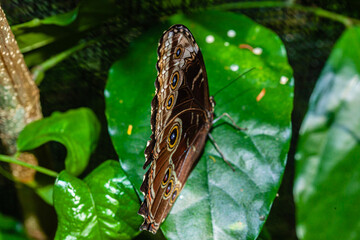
247, 71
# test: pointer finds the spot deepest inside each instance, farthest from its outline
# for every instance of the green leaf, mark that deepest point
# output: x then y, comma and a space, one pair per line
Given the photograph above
35, 37
78, 130
60, 20
46, 193
216, 203
102, 206
327, 184
10, 229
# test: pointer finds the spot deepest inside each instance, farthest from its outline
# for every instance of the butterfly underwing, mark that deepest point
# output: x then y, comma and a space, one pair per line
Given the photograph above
181, 116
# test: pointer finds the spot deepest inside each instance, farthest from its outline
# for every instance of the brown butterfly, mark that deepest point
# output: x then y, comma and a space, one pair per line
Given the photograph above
181, 116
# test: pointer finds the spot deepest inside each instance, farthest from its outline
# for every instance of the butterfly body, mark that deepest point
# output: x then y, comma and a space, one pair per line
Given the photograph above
181, 117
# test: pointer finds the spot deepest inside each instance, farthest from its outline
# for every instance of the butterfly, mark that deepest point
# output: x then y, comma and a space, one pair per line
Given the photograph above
182, 113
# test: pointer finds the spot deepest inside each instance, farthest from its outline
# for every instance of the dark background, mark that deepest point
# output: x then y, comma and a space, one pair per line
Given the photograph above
80, 80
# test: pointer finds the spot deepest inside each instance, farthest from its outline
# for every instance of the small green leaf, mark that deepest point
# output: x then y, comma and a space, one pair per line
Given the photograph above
46, 193
102, 206
216, 203
78, 130
36, 37
327, 184
60, 20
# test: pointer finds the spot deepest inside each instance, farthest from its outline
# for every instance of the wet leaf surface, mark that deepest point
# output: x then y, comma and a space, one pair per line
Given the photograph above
327, 185
102, 206
216, 202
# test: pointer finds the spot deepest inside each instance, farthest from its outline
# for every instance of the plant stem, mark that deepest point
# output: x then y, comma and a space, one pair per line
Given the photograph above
39, 70
8, 175
9, 159
347, 21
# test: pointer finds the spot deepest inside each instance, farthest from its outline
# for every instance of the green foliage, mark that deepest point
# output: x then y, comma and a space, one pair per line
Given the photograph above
46, 193
66, 30
78, 130
102, 206
216, 202
10, 229
327, 180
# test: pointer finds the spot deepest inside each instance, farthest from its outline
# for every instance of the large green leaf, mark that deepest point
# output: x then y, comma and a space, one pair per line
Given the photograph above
102, 206
327, 186
78, 130
216, 202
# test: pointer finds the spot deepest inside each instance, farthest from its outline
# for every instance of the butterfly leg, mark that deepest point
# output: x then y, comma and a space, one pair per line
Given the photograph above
232, 121
218, 149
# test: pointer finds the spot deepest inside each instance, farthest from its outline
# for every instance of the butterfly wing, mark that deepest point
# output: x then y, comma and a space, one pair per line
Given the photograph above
181, 117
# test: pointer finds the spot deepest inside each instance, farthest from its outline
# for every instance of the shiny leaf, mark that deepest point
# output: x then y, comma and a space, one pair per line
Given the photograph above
78, 130
102, 206
216, 203
327, 186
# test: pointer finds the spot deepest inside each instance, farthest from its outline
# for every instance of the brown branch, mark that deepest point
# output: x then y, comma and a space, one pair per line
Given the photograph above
20, 100
19, 105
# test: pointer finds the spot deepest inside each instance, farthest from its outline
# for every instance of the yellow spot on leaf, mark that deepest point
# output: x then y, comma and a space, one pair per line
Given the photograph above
261, 95
237, 226
121, 101
129, 130
212, 158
